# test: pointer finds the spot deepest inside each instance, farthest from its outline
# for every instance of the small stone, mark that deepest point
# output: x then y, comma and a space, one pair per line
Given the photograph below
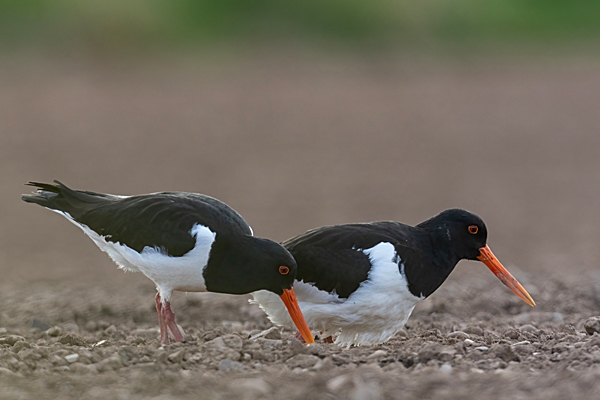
271, 333
505, 352
429, 352
101, 343
20, 345
111, 330
230, 365
524, 342
11, 339
447, 354
482, 348
72, 340
377, 354
54, 331
176, 357
71, 358
474, 330
460, 335
402, 333
80, 368
298, 347
233, 341
110, 364
528, 328
592, 325
469, 342
512, 334
302, 361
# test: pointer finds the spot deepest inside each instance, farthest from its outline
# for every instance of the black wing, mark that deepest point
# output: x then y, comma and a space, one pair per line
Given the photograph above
161, 220
330, 257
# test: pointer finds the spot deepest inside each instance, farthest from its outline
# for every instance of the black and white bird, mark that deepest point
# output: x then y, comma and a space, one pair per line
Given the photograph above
181, 241
363, 280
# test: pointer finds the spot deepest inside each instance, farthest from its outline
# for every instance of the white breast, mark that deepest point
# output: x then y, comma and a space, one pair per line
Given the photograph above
372, 314
168, 273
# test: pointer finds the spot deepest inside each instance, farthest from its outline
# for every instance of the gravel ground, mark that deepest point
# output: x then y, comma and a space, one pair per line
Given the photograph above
83, 343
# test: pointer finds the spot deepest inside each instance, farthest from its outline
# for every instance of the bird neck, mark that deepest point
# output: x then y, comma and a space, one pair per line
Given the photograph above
230, 265
439, 261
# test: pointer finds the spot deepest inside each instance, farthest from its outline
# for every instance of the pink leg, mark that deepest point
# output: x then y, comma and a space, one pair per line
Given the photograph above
298, 337
169, 318
328, 339
164, 334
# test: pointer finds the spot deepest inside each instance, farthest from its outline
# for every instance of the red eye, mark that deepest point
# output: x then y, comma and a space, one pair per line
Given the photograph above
283, 270
473, 229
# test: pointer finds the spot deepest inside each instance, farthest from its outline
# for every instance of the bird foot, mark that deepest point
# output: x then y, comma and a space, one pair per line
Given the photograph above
166, 322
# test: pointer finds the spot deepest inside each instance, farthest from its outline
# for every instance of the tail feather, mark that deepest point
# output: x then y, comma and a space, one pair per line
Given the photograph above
59, 197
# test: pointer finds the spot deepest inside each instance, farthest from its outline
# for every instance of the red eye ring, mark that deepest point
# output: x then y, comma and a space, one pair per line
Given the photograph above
473, 229
283, 270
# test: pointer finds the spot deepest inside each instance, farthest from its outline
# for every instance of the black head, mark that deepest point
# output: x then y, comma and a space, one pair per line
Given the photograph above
465, 232
245, 264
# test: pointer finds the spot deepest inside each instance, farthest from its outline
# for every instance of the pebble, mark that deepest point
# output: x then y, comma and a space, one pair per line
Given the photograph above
376, 354
271, 333
521, 343
11, 339
592, 325
302, 361
528, 328
72, 340
468, 342
176, 357
460, 335
482, 348
71, 358
474, 330
109, 364
54, 331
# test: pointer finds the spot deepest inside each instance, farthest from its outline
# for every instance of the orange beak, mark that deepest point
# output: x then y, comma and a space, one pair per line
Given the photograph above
489, 259
289, 299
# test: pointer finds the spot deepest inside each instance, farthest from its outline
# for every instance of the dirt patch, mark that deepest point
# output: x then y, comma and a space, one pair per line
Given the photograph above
82, 343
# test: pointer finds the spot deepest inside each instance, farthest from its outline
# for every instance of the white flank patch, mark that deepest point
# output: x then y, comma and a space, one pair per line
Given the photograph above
168, 273
372, 314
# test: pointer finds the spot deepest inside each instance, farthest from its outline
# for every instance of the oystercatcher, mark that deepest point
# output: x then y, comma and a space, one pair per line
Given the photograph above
364, 280
181, 241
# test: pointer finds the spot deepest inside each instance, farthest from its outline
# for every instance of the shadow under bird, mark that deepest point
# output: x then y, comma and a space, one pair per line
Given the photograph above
364, 280
181, 241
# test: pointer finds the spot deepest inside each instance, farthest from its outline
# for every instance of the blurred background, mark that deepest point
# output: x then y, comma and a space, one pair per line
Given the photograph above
306, 113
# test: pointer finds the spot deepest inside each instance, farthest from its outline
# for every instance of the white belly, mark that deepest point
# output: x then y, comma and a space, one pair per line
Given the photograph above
168, 273
372, 314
